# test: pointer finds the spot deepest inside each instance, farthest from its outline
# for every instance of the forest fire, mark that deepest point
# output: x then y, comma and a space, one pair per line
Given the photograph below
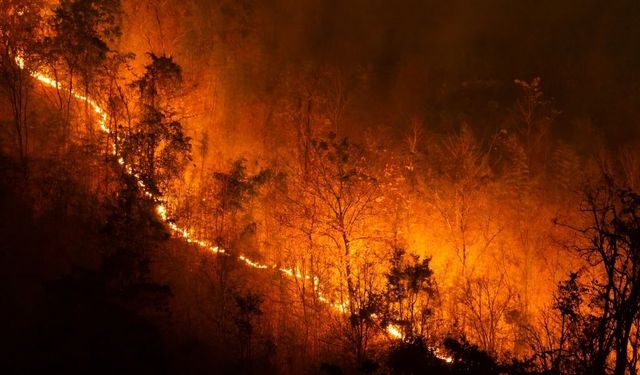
319, 187
183, 232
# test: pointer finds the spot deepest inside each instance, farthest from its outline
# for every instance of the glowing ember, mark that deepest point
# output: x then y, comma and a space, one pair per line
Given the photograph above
394, 331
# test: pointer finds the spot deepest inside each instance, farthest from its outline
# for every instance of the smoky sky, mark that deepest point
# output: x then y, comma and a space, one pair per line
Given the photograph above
418, 55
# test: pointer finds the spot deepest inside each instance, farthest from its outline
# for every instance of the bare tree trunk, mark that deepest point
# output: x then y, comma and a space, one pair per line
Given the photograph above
18, 95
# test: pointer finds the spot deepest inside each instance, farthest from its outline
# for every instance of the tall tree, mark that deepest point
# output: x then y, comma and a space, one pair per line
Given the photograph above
612, 249
462, 181
157, 148
568, 303
83, 31
20, 36
340, 179
410, 293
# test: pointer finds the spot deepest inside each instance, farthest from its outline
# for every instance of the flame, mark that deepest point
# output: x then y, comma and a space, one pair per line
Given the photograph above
20, 62
251, 263
394, 331
438, 353
162, 212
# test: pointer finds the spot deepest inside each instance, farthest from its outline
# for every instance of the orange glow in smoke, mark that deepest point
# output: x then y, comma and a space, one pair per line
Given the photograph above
177, 231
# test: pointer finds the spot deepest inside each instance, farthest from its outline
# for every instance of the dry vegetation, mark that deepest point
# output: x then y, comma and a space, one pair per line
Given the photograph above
188, 188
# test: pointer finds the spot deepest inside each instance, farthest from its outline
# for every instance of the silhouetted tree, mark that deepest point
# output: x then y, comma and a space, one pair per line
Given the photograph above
157, 148
568, 302
468, 359
409, 292
612, 249
234, 190
341, 181
248, 309
82, 33
413, 357
20, 38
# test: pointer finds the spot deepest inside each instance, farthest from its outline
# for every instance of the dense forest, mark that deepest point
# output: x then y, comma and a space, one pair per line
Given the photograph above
319, 187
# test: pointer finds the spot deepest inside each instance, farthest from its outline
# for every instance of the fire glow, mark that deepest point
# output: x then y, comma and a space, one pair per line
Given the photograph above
161, 210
